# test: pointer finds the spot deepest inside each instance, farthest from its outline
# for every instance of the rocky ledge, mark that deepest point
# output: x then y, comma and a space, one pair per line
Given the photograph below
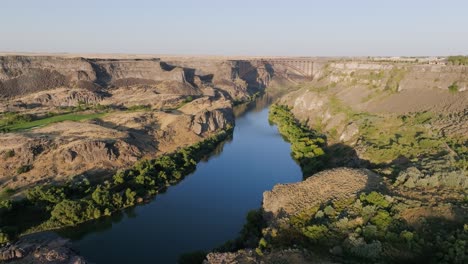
40, 248
286, 200
289, 199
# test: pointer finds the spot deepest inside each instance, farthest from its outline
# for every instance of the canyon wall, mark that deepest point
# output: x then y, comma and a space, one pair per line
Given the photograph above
139, 108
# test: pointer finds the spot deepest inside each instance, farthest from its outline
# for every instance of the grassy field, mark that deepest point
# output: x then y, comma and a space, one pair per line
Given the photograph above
50, 120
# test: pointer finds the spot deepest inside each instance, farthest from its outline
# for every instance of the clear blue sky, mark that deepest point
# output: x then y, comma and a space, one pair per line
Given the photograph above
236, 27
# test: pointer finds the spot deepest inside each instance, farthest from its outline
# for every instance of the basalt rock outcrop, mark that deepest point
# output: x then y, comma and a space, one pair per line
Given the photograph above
40, 248
212, 121
146, 107
20, 75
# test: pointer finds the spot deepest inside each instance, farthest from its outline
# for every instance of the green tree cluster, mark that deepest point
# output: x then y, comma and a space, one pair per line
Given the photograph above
307, 146
458, 60
370, 229
79, 201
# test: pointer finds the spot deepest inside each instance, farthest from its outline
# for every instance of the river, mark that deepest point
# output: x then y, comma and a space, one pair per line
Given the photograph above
204, 210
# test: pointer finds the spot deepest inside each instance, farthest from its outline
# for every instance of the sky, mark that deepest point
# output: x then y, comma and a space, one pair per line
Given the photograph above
240, 27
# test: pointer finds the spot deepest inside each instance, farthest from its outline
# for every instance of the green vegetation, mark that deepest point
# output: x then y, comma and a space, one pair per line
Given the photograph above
370, 229
373, 75
135, 108
82, 106
12, 121
11, 118
458, 60
22, 123
453, 88
250, 236
23, 169
306, 145
404, 136
393, 82
9, 154
337, 106
50, 207
373, 227
460, 147
6, 194
186, 100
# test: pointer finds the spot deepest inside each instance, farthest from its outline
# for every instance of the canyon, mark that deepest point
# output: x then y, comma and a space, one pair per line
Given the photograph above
394, 127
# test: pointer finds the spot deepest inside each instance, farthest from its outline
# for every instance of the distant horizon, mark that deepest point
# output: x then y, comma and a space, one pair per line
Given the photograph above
312, 28
215, 55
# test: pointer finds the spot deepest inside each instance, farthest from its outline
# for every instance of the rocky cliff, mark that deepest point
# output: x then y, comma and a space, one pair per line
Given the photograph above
137, 108
21, 75
404, 127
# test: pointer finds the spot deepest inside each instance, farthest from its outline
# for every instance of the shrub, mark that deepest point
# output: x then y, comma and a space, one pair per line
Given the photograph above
458, 60
382, 220
369, 232
138, 107
129, 197
315, 232
453, 88
375, 198
3, 237
23, 169
407, 236
359, 248
252, 229
9, 154
15, 118
368, 212
6, 193
117, 200
101, 196
6, 205
46, 194
329, 211
188, 99
119, 177
343, 224
319, 214
68, 212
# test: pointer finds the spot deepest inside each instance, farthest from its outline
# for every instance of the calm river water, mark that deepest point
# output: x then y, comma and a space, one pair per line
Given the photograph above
204, 210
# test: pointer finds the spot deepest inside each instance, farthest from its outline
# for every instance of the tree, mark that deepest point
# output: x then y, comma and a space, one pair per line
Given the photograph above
315, 232
119, 177
48, 194
3, 237
101, 196
68, 212
117, 200
375, 198
129, 197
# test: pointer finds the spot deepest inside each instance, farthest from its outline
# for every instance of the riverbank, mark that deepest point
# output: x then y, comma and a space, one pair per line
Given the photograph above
78, 202
409, 207
202, 211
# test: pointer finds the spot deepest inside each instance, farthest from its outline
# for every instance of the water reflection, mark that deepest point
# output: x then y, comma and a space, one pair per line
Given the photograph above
204, 210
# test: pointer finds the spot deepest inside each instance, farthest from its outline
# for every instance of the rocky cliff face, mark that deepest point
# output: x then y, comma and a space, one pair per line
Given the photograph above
146, 107
210, 121
21, 75
340, 90
404, 129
